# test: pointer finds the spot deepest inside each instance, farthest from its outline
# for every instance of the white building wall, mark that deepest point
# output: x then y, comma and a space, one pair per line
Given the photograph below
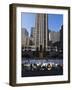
54, 36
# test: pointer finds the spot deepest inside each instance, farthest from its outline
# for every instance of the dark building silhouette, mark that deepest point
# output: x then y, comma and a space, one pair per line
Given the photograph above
61, 37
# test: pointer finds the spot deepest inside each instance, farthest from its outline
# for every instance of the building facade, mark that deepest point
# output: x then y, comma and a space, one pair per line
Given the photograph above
61, 37
61, 34
41, 25
24, 37
32, 36
54, 36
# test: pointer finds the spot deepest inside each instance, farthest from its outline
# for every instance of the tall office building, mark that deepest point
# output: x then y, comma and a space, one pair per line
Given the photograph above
41, 25
61, 34
61, 37
32, 36
32, 32
24, 37
54, 36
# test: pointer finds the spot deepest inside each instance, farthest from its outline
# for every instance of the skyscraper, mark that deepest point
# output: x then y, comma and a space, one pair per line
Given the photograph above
24, 37
41, 25
54, 36
61, 37
33, 34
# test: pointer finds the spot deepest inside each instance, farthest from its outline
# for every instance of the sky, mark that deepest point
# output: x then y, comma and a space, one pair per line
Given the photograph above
28, 21
54, 21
